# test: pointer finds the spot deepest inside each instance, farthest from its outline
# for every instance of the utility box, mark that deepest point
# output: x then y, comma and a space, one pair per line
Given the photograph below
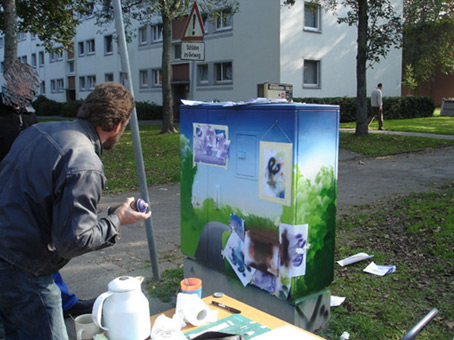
275, 91
447, 107
258, 194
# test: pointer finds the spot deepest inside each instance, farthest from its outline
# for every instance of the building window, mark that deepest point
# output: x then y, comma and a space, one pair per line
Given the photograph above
91, 46
41, 59
60, 85
55, 56
23, 59
312, 17
157, 32
123, 78
53, 86
2, 42
225, 20
143, 35
81, 48
70, 67
59, 55
21, 36
70, 52
157, 77
143, 76
202, 73
89, 12
42, 87
82, 85
177, 52
223, 72
34, 62
311, 76
206, 22
91, 82
108, 77
108, 44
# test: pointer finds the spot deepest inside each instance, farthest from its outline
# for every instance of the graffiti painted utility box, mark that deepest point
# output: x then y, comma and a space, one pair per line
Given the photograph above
258, 193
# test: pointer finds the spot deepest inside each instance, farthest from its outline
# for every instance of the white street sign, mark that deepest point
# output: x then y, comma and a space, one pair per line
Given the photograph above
193, 51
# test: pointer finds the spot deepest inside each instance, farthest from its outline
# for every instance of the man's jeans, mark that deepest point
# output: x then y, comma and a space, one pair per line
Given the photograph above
30, 306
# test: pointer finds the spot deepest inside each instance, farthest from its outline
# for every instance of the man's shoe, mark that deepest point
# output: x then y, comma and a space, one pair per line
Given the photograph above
81, 307
381, 129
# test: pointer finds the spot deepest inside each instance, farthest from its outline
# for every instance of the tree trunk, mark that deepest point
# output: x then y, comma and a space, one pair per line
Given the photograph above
167, 96
361, 59
9, 7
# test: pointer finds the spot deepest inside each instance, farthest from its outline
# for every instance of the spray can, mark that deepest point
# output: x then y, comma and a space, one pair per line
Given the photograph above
138, 205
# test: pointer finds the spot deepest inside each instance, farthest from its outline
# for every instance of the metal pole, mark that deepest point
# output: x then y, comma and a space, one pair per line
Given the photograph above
192, 81
134, 124
420, 325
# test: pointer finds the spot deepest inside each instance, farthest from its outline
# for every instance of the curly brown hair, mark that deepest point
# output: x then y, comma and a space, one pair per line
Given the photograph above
107, 105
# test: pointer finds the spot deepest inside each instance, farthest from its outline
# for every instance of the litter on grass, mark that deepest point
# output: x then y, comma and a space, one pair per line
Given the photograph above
354, 258
374, 269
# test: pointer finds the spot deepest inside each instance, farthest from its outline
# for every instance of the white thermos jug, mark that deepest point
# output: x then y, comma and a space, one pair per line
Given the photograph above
123, 311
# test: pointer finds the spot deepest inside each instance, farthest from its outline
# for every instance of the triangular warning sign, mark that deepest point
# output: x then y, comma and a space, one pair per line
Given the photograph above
194, 25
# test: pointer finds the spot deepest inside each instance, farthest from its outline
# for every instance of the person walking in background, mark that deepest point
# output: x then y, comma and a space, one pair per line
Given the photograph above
51, 182
376, 103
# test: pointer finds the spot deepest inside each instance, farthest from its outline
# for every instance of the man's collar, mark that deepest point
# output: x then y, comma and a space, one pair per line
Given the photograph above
92, 134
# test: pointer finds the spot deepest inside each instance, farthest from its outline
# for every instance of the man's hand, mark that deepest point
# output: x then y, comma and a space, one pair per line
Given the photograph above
127, 215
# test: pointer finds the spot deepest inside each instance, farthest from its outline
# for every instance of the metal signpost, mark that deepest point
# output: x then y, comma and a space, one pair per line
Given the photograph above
134, 124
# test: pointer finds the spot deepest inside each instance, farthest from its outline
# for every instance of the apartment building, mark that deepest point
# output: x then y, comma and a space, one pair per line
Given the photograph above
263, 41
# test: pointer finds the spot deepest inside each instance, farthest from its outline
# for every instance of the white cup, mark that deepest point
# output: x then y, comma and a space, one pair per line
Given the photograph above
85, 327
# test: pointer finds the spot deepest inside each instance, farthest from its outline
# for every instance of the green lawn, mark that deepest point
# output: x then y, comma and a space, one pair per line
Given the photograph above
436, 124
161, 155
382, 144
416, 234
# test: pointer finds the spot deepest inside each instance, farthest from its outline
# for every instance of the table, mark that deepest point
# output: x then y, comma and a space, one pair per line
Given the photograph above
246, 310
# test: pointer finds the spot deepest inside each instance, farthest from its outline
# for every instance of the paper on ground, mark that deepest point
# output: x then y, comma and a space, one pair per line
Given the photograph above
286, 332
372, 268
354, 258
336, 300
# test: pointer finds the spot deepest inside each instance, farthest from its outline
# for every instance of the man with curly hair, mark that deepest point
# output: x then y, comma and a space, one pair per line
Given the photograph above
51, 182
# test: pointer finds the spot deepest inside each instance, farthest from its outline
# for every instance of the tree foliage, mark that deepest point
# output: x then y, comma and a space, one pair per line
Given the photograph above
52, 21
429, 37
383, 27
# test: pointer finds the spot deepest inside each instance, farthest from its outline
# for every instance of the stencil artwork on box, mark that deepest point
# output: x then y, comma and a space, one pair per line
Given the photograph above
211, 144
293, 241
276, 172
237, 225
234, 251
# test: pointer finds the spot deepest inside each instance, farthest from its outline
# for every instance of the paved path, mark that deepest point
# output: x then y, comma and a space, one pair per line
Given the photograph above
361, 180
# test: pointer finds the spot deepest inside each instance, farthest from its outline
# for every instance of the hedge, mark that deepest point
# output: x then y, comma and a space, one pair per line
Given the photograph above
393, 107
48, 107
148, 111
